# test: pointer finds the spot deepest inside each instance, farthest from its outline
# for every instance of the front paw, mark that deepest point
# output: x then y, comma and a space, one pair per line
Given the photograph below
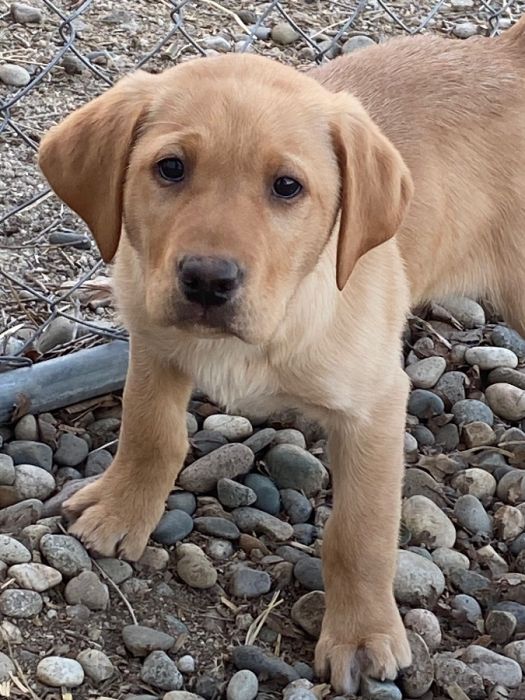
111, 520
347, 652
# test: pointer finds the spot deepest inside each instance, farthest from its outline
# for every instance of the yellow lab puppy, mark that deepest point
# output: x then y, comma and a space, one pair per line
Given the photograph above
251, 212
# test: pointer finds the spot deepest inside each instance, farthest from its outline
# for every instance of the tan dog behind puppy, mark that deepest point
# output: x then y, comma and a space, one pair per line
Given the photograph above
242, 197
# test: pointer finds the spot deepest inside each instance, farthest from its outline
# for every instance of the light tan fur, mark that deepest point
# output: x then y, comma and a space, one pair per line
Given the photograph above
422, 136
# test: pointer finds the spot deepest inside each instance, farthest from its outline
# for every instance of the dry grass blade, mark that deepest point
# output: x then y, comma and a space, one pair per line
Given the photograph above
257, 624
119, 592
23, 684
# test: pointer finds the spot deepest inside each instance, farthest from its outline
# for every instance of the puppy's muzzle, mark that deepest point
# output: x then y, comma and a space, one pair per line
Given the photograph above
209, 281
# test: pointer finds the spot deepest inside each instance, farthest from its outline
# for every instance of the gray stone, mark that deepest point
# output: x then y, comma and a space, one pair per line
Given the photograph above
249, 583
516, 651
7, 667
504, 375
505, 337
507, 401
12, 551
26, 428
419, 483
424, 436
428, 524
252, 520
219, 549
154, 559
234, 495
141, 641
65, 554
29, 452
233, 428
451, 388
418, 581
97, 666
355, 43
425, 373
217, 527
182, 500
475, 481
161, 672
58, 332
449, 560
87, 589
305, 533
295, 468
172, 695
20, 604
471, 515
221, 45
11, 74
205, 441
261, 662
426, 625
466, 608
464, 30
260, 440
186, 664
194, 567
419, 676
372, 689
268, 498
509, 522
469, 582
191, 424
7, 470
116, 569
487, 357
35, 577
243, 685
290, 436
25, 14
501, 626
297, 506
425, 404
173, 527
227, 461
448, 670
284, 34
478, 434
56, 671
71, 451
33, 482
309, 572
493, 667
470, 410
511, 486
467, 311
15, 517
515, 609
308, 611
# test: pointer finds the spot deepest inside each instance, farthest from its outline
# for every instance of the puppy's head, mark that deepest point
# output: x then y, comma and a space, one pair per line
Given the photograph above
228, 175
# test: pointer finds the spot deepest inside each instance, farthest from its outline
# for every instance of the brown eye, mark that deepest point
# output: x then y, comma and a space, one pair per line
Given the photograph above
171, 169
286, 187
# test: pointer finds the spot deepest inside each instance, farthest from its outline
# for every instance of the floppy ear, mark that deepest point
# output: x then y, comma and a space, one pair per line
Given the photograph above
85, 157
376, 186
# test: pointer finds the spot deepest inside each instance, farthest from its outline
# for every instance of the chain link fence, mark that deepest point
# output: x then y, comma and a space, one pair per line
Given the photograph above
55, 295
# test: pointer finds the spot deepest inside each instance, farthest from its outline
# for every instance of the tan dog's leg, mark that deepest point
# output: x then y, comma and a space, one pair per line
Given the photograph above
362, 630
117, 513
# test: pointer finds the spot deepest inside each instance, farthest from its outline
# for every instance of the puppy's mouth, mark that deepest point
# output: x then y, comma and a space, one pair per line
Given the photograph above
206, 321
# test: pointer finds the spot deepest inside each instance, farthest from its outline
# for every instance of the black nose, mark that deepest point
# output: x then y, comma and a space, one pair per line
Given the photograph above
209, 281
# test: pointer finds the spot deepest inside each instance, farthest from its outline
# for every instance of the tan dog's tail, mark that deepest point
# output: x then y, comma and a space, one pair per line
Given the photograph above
516, 33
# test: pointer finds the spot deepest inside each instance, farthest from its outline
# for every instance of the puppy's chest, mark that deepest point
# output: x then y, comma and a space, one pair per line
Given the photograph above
244, 378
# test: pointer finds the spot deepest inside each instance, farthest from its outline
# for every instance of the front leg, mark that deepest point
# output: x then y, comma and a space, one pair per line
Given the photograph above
117, 513
362, 631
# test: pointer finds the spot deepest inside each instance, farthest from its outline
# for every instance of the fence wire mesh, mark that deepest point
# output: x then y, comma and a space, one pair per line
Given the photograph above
55, 295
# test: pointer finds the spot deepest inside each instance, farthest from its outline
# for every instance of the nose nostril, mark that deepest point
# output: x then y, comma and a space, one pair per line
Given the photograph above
208, 281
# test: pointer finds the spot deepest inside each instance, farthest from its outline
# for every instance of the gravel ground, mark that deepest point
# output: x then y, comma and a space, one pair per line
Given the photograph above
228, 598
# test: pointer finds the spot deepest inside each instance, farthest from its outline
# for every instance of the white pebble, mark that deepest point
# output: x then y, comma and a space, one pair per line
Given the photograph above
56, 671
